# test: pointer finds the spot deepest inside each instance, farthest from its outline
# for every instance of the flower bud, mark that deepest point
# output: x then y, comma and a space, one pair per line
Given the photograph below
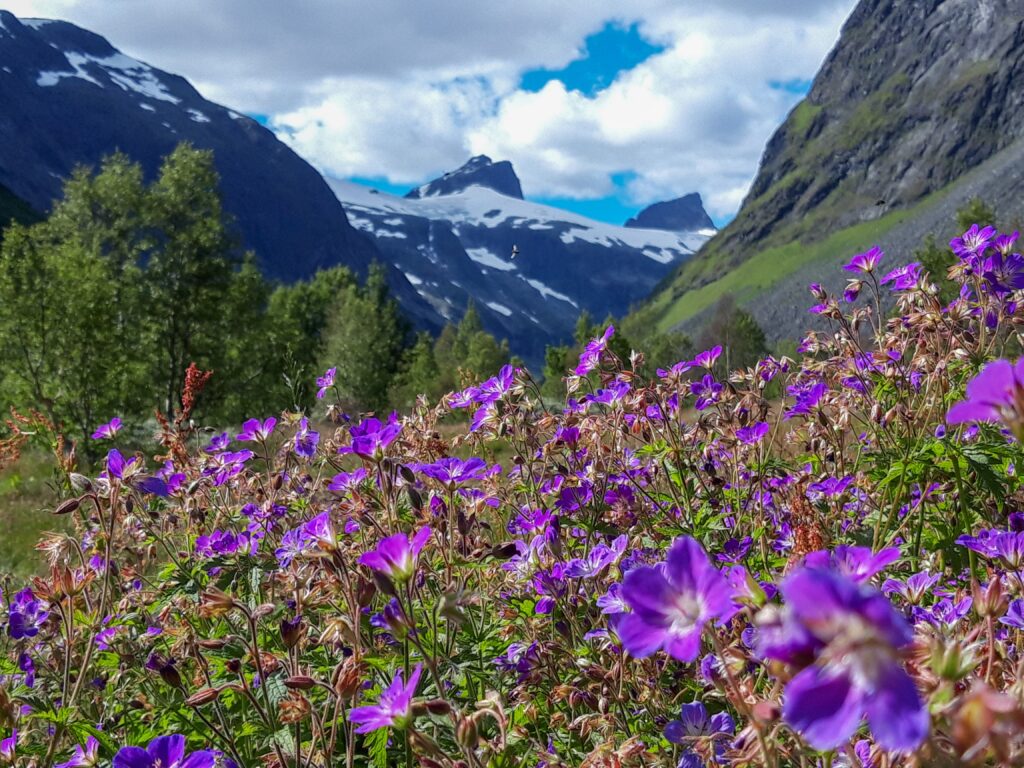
990, 600
438, 707
466, 733
80, 483
299, 682
203, 696
68, 506
215, 602
292, 631
951, 661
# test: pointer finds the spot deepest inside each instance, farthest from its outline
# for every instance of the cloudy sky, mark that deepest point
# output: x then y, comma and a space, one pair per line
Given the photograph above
601, 105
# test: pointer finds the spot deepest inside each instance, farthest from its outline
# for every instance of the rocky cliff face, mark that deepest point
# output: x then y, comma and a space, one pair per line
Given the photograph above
915, 95
684, 214
479, 171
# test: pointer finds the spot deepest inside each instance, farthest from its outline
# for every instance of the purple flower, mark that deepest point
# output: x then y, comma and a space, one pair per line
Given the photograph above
855, 634
865, 262
902, 278
599, 558
1014, 614
1007, 546
343, 482
306, 439
808, 394
8, 745
994, 395
163, 752
325, 382
672, 602
707, 358
694, 723
393, 709
372, 436
218, 443
454, 471
396, 556
117, 465
26, 614
590, 358
255, 431
914, 589
859, 563
973, 242
108, 430
753, 434
706, 390
84, 756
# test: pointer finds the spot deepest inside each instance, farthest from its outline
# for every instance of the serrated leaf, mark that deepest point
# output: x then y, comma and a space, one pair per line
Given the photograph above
377, 746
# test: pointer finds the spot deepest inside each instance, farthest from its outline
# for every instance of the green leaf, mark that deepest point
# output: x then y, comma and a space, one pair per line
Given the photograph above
377, 746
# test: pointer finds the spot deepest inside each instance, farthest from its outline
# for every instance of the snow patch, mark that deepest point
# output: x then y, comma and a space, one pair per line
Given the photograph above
501, 309
413, 279
544, 291
198, 116
147, 107
488, 259
127, 73
389, 233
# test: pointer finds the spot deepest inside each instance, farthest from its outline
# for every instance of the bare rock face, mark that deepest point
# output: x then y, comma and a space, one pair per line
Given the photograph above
684, 214
919, 101
479, 171
915, 94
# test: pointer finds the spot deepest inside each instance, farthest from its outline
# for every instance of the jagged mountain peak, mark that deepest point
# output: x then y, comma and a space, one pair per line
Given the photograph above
683, 214
478, 171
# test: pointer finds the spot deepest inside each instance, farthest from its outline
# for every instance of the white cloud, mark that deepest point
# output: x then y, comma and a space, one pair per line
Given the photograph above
408, 89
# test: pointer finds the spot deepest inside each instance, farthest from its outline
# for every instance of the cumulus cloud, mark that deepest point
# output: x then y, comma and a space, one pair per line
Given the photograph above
408, 89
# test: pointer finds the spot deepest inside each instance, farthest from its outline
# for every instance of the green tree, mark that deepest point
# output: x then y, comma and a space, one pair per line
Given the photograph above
420, 374
365, 338
742, 339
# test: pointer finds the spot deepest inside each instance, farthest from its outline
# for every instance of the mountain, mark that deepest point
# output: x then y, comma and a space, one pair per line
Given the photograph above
530, 268
684, 214
70, 98
479, 171
917, 109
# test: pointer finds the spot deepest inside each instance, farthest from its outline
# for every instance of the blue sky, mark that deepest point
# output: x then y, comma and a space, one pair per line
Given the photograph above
602, 107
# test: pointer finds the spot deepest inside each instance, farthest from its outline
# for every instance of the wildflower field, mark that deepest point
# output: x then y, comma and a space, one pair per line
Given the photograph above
811, 562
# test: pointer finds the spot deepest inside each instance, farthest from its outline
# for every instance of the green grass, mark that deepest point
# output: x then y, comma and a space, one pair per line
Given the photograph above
27, 497
771, 265
800, 119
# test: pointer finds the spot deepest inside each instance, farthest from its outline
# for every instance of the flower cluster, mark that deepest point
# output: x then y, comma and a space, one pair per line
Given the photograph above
809, 562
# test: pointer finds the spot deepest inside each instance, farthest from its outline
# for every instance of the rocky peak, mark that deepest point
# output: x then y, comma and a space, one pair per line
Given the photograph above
479, 171
684, 214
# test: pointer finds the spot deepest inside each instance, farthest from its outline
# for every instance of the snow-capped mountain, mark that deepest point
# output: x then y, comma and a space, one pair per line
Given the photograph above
67, 98
530, 268
479, 171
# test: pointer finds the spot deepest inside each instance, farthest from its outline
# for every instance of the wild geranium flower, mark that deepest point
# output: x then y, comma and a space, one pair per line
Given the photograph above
995, 395
707, 358
753, 434
694, 723
85, 755
117, 465
8, 747
902, 278
108, 430
865, 262
392, 710
396, 556
454, 471
808, 394
973, 242
1007, 546
1014, 614
854, 635
306, 440
599, 558
256, 431
914, 589
164, 752
859, 563
344, 482
219, 443
672, 602
325, 382
372, 436
26, 614
590, 358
